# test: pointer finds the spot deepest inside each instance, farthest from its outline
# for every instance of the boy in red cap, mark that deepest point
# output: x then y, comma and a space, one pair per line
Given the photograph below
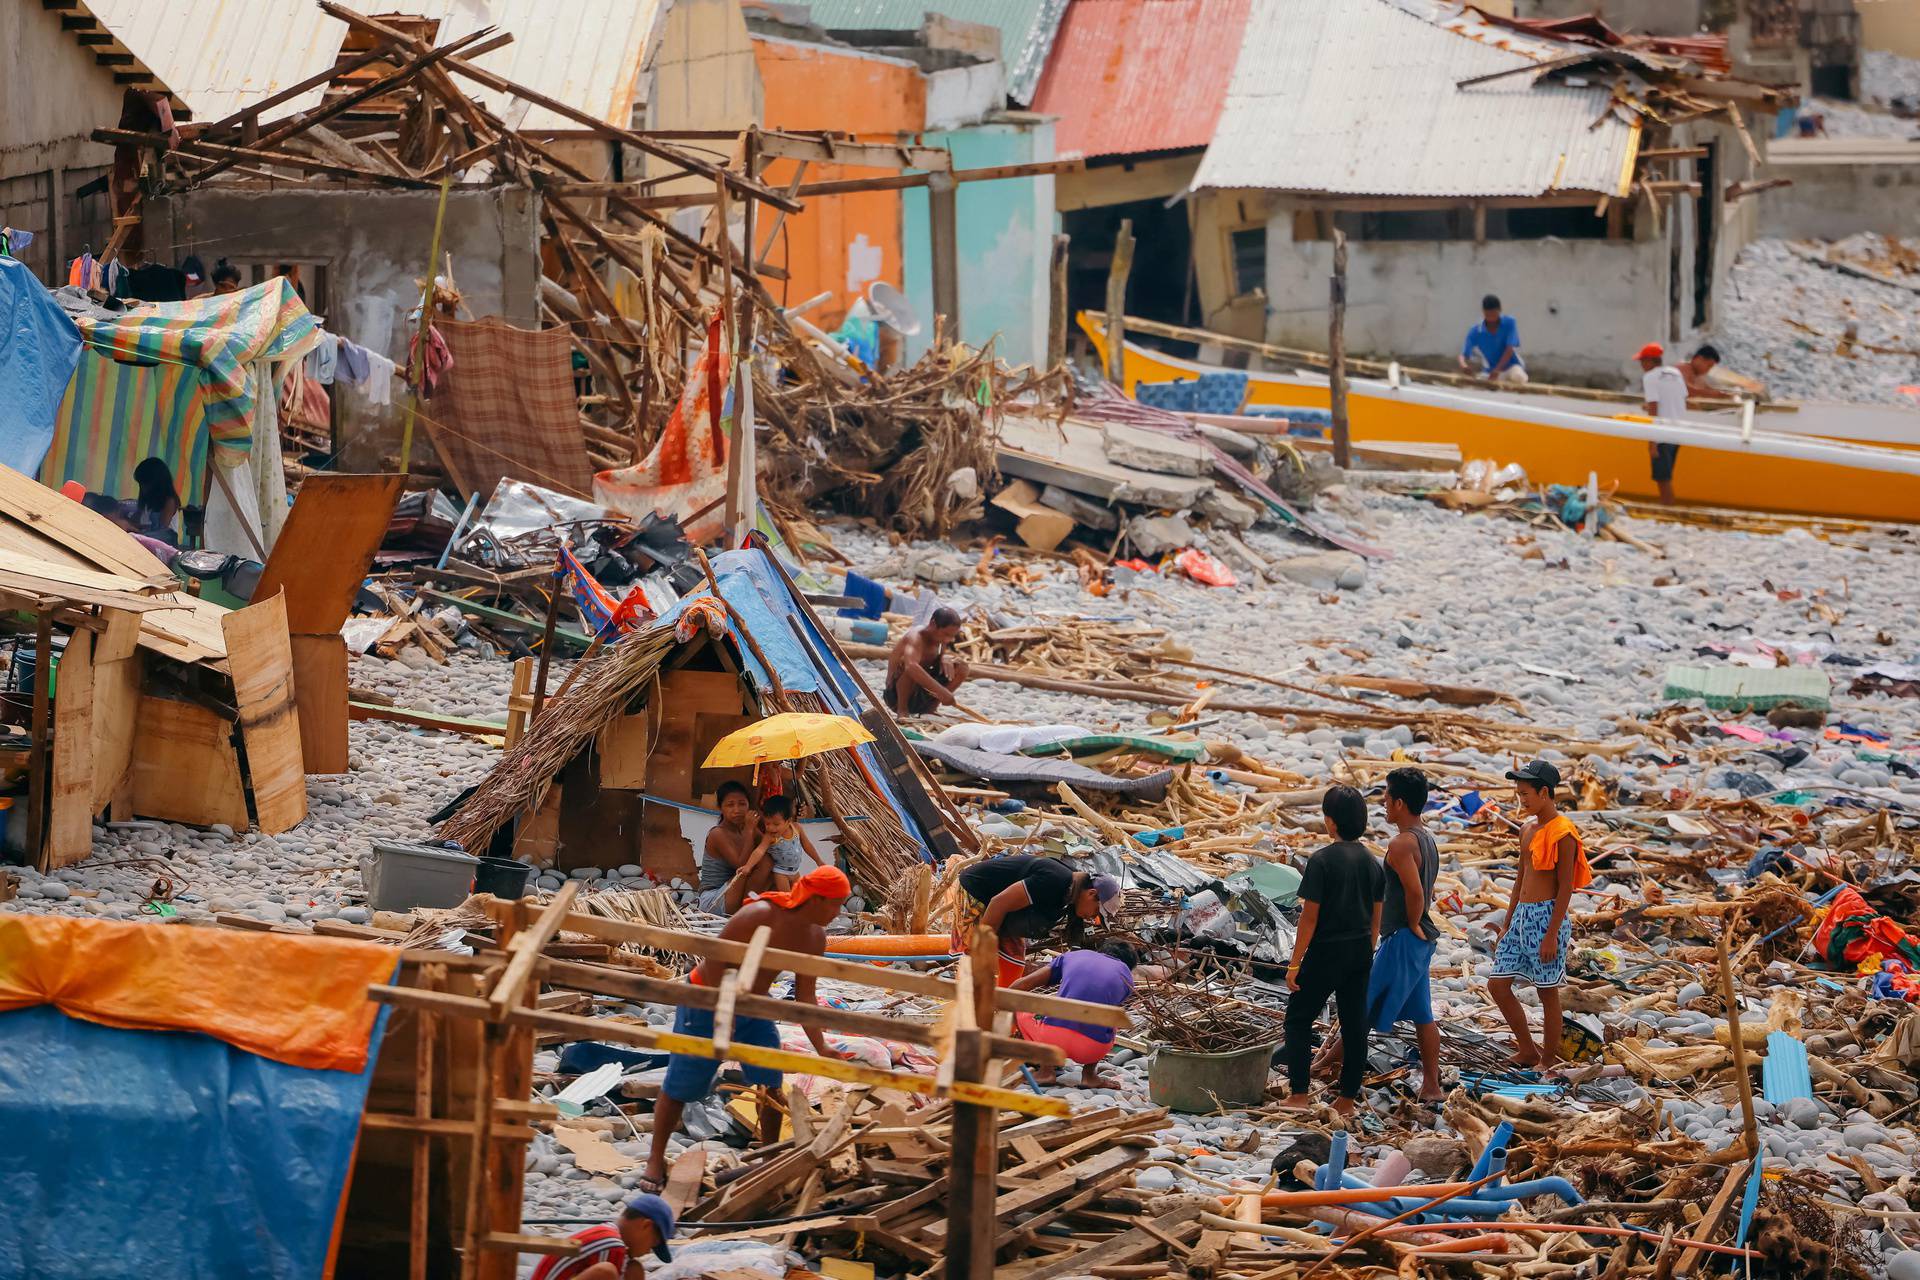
1664, 389
797, 920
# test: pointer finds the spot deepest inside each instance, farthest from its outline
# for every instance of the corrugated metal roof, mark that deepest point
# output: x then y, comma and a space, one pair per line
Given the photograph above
1358, 97
1128, 76
1026, 27
219, 55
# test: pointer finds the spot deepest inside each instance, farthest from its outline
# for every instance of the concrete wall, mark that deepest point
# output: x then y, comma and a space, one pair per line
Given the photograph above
375, 246
1005, 241
1890, 27
1833, 201
1646, 17
704, 76
966, 94
52, 95
838, 243
1583, 306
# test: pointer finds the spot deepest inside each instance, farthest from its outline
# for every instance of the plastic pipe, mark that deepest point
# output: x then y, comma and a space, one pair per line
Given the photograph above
1532, 1187
1351, 1195
1394, 1168
1494, 1243
1329, 1176
1496, 1149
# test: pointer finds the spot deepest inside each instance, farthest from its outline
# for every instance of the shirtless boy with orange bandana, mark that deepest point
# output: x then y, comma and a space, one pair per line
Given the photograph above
1534, 940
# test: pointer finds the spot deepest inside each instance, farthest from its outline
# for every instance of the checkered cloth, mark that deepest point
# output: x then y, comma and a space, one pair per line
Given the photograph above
507, 408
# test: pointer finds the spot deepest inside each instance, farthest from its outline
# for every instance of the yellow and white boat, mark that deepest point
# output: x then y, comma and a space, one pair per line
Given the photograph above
1855, 461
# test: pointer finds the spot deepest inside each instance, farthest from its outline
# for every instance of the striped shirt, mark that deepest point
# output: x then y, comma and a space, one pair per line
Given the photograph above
597, 1244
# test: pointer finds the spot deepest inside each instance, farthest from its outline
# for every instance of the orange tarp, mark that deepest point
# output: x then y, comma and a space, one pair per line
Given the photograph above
301, 1001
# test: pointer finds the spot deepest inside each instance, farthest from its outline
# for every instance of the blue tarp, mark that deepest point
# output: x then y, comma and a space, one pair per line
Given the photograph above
752, 585
39, 347
166, 1153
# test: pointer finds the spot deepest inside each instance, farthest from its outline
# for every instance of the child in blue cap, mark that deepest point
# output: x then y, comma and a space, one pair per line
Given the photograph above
613, 1251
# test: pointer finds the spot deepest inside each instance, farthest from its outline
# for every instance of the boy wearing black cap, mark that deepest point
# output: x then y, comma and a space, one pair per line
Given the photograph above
1340, 893
1535, 937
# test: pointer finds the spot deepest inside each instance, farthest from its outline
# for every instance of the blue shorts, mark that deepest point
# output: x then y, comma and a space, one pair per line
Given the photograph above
1518, 954
690, 1079
1398, 990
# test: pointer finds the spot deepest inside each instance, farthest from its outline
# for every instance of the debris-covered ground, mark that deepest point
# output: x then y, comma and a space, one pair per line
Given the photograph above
1576, 636
1812, 331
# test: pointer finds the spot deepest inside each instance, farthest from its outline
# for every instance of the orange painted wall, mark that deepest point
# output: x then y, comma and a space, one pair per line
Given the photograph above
876, 99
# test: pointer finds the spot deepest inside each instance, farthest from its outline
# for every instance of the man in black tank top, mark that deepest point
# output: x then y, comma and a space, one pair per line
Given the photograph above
1399, 988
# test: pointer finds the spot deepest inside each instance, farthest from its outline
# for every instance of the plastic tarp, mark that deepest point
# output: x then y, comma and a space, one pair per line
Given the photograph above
178, 1102
751, 584
39, 346
165, 1153
301, 1001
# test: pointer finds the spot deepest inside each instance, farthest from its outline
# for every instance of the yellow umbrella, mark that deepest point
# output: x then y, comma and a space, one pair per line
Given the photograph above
788, 736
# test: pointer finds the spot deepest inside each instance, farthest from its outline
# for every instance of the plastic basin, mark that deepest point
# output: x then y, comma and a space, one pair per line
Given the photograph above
1198, 1083
400, 877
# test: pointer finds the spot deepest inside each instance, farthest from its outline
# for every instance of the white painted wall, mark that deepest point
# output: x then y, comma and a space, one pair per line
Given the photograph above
965, 95
1583, 306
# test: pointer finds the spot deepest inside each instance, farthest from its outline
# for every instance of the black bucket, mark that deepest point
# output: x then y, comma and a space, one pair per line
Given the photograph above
502, 877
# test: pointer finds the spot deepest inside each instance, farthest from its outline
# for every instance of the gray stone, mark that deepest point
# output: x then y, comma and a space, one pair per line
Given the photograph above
1904, 1265
1324, 570
1227, 509
1153, 535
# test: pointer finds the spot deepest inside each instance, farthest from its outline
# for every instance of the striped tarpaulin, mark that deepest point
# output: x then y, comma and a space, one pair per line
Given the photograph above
115, 415
171, 380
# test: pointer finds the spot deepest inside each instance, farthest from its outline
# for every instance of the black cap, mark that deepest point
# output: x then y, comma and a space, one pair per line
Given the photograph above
1538, 772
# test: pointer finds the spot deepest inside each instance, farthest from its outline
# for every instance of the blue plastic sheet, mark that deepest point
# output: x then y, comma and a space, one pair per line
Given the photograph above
39, 347
160, 1153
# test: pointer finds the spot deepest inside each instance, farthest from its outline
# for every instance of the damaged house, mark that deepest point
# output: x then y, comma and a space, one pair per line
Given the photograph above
1593, 181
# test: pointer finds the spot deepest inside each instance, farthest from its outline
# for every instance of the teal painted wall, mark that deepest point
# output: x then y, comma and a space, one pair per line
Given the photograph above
1006, 228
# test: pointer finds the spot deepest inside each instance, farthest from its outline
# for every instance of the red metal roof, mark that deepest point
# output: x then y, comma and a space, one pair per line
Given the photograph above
1128, 76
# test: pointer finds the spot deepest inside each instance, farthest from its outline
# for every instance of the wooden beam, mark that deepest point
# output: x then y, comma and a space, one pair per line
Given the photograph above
525, 951
1118, 269
500, 84
775, 145
943, 230
1337, 352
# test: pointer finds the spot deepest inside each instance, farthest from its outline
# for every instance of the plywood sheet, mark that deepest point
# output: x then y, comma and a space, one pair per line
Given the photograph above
70, 813
184, 766
116, 711
261, 658
624, 745
320, 692
538, 837
46, 525
323, 553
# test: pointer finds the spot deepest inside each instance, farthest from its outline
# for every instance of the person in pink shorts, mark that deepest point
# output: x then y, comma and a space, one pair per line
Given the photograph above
1097, 977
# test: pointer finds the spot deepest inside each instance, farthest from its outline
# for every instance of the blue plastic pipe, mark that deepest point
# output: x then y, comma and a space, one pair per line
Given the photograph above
1496, 1149
1336, 1165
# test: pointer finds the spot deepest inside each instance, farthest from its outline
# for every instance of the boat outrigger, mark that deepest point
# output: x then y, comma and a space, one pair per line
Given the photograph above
1854, 461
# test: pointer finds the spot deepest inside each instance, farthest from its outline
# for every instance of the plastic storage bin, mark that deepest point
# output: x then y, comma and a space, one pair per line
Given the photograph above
400, 877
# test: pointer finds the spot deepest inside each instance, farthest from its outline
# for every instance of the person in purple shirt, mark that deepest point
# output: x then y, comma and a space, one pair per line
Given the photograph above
1492, 348
1097, 977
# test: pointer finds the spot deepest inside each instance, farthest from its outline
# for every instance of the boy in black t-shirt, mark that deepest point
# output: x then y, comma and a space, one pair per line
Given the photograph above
1340, 893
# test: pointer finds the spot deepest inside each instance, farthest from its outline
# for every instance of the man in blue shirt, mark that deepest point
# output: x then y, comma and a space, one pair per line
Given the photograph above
1492, 348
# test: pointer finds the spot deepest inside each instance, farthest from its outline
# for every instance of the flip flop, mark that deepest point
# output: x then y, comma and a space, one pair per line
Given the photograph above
650, 1186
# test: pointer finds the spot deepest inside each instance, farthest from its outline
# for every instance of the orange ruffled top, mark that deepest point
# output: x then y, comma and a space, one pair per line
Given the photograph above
1545, 849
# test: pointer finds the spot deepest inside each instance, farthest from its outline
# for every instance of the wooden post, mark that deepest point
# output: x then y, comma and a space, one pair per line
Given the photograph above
1337, 352
426, 322
1058, 321
973, 1162
427, 1028
943, 225
546, 641
922, 898
1117, 273
1737, 1042
39, 785
742, 498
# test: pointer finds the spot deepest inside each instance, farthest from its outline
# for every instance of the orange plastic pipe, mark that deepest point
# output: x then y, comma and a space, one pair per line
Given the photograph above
891, 944
1495, 1243
1361, 1195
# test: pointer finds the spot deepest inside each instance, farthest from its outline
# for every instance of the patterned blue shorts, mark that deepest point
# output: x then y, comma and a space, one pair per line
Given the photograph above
1518, 953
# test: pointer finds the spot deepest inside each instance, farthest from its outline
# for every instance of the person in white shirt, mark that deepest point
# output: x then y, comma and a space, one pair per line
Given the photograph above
1664, 389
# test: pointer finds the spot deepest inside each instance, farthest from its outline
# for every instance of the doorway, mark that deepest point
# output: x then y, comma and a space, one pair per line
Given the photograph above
1706, 226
